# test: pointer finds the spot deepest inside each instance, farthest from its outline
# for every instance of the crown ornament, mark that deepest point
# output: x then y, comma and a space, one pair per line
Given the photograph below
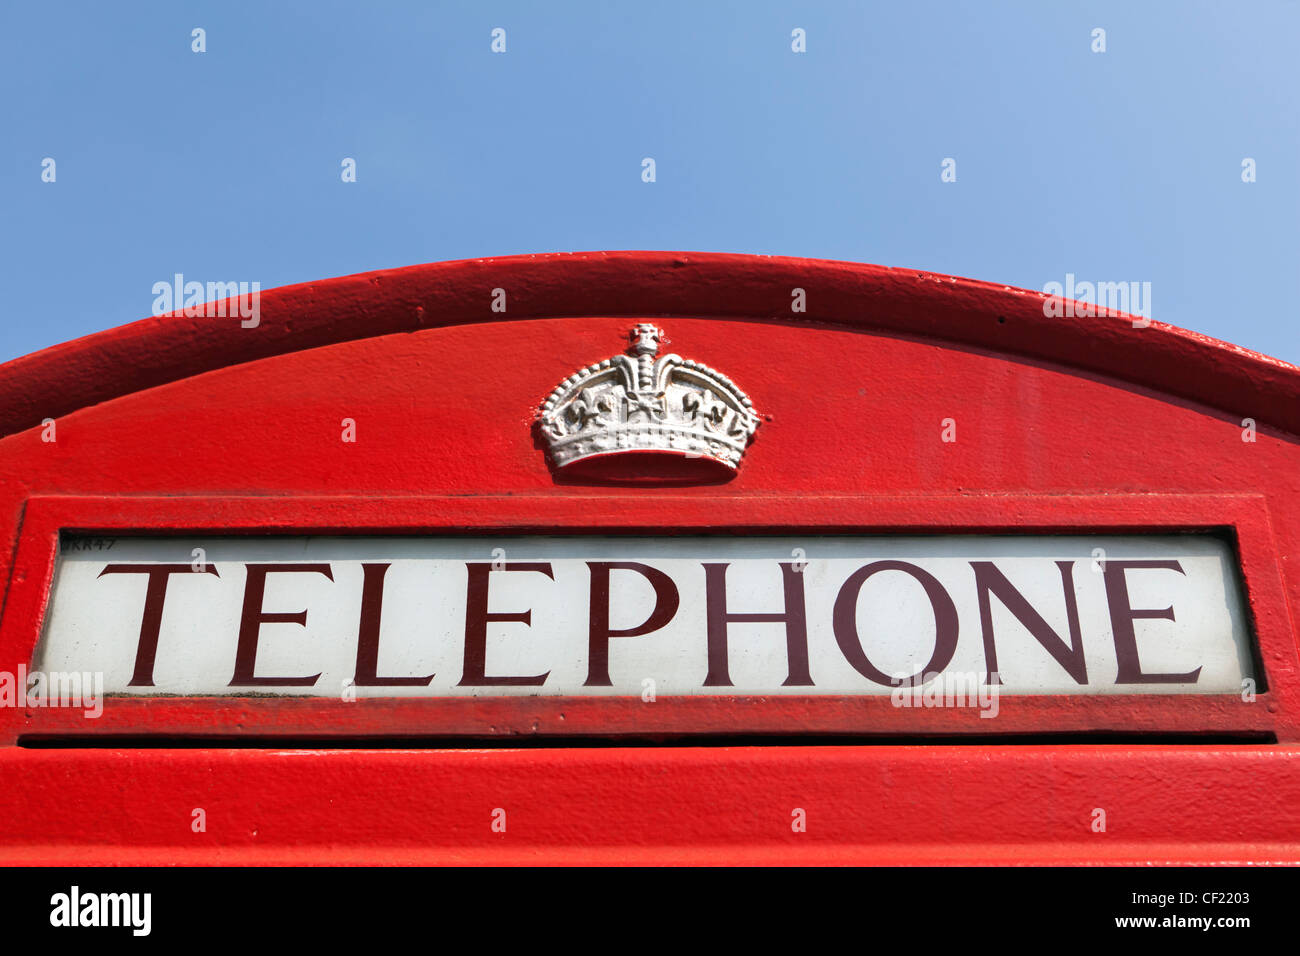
643, 415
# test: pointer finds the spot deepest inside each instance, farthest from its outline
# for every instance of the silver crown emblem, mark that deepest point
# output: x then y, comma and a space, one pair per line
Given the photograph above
640, 405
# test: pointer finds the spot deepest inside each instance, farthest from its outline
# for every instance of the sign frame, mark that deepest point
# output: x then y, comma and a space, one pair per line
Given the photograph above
1271, 716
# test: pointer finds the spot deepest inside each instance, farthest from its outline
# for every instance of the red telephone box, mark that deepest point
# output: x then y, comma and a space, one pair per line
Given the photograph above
649, 557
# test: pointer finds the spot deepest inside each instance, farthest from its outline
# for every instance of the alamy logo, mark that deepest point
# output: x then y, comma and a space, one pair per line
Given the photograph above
1071, 299
36, 689
75, 908
947, 689
215, 299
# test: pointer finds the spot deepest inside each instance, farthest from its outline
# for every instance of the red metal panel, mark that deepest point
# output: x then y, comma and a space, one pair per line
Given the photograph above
1062, 424
864, 805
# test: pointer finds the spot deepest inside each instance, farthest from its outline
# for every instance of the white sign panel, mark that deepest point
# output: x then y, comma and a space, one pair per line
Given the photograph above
458, 616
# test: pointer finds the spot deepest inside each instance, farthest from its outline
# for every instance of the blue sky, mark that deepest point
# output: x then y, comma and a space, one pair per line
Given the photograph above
225, 165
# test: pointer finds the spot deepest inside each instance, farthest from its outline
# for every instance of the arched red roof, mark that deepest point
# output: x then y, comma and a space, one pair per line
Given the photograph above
894, 301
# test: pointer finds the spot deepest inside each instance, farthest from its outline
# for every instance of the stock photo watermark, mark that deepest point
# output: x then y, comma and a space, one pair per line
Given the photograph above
72, 690
948, 689
1072, 299
195, 299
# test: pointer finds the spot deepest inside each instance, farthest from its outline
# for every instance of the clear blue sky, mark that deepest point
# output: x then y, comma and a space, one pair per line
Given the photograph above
1122, 166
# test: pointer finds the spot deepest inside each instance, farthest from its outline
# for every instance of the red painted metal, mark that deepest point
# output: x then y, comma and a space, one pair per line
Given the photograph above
196, 424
